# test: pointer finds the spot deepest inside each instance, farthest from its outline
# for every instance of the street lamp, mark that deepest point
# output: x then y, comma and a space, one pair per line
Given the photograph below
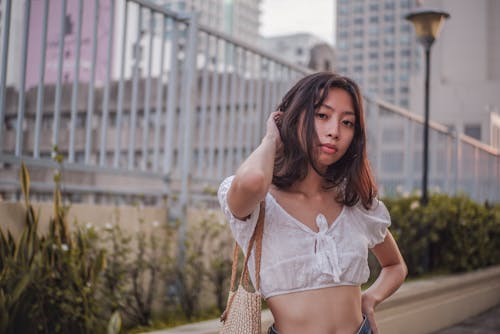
427, 23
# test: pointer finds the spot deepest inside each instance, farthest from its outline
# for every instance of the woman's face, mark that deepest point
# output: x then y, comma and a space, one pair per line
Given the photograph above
335, 123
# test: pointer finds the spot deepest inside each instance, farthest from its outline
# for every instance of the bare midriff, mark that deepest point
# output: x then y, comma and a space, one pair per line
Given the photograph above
333, 310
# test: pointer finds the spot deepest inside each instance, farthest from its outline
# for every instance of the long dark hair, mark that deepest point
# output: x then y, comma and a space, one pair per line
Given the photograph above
352, 173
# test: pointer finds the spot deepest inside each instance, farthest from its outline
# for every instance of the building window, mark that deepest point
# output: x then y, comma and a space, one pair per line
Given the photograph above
389, 5
405, 3
405, 53
373, 67
358, 33
342, 69
373, 43
389, 18
404, 39
473, 130
389, 54
359, 20
373, 7
358, 44
344, 58
342, 45
373, 30
389, 91
374, 19
389, 30
344, 10
343, 34
389, 41
389, 66
358, 9
389, 78
405, 28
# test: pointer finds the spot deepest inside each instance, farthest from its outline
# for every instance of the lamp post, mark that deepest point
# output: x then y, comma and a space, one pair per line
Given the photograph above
427, 23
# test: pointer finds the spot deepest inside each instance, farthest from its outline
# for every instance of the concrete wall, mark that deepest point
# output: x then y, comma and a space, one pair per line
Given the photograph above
13, 215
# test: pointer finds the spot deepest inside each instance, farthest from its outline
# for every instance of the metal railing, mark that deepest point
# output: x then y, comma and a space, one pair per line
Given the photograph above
137, 98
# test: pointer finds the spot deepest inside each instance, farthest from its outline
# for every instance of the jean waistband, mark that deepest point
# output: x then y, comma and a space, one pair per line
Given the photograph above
364, 328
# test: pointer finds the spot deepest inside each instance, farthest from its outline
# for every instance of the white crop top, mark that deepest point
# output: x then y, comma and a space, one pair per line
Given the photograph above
296, 258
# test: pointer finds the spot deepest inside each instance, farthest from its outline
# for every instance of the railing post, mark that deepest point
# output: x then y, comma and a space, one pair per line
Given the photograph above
22, 81
188, 87
408, 155
3, 67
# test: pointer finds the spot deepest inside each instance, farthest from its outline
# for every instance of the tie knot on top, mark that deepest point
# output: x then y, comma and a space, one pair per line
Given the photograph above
322, 223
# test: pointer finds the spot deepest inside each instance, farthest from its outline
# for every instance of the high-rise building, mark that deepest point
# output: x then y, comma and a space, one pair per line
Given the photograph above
296, 48
376, 47
465, 70
238, 18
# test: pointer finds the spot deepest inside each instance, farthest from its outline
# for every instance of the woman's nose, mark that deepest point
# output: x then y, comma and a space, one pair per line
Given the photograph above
333, 130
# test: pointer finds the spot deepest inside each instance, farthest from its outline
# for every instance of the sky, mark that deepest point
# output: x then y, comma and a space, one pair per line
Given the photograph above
280, 17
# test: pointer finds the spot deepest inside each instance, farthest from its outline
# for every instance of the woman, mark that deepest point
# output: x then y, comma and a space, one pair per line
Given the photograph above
322, 215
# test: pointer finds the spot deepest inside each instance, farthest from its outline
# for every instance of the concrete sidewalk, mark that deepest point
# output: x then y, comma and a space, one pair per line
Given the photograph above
485, 323
420, 307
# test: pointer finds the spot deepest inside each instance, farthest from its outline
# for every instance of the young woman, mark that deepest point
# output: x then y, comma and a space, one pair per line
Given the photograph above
322, 214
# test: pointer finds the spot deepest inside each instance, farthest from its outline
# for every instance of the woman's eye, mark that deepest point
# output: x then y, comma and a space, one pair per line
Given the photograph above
321, 116
348, 123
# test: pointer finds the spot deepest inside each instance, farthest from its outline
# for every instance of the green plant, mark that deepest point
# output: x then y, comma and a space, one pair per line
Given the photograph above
48, 284
19, 263
450, 234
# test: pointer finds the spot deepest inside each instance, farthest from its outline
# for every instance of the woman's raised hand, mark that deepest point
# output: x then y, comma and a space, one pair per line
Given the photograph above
272, 128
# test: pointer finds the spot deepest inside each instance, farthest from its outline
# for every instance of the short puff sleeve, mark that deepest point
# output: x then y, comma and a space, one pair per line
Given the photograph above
374, 222
242, 229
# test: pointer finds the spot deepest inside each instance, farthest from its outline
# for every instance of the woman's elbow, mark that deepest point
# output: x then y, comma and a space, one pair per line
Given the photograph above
254, 183
404, 271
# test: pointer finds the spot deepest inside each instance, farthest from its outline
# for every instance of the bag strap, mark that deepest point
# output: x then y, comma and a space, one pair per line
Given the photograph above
257, 239
244, 279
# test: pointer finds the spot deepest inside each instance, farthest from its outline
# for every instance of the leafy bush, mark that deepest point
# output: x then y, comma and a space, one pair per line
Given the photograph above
450, 234
48, 284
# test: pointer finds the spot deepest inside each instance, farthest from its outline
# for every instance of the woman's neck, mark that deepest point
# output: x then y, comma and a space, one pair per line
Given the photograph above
312, 185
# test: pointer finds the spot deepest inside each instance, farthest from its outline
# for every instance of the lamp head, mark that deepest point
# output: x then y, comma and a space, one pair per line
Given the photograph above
427, 23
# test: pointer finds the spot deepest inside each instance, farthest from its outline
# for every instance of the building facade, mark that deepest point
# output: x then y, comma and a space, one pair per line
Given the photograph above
376, 47
295, 48
238, 18
465, 70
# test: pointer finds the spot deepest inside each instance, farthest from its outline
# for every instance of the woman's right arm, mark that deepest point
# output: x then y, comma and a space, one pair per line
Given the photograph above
253, 178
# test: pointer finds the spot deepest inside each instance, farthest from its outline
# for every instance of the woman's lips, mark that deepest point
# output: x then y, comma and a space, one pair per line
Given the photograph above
328, 149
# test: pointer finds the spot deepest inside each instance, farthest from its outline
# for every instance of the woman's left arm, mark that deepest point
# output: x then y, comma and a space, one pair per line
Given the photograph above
391, 277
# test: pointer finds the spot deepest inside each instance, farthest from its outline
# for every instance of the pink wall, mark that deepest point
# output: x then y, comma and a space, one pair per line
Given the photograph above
70, 39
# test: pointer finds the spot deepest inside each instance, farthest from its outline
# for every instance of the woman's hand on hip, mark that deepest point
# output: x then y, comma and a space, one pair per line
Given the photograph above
368, 308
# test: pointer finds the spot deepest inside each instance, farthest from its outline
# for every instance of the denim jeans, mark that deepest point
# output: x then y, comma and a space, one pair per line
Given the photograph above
364, 328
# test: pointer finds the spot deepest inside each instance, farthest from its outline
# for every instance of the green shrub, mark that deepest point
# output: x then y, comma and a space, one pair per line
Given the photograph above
48, 284
450, 234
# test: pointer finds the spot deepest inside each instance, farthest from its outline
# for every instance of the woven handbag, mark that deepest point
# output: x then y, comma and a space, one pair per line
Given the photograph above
243, 310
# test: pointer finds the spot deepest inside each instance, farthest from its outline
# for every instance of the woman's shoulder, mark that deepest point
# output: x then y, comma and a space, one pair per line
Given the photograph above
376, 208
373, 221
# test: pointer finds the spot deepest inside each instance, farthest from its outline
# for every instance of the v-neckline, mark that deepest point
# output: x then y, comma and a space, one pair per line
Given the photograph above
301, 224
